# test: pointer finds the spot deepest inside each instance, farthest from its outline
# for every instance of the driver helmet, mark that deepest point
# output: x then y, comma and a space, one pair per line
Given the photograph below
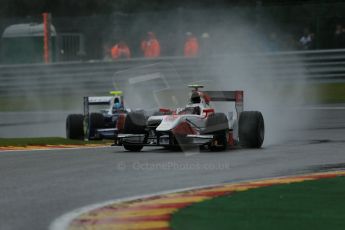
195, 98
117, 104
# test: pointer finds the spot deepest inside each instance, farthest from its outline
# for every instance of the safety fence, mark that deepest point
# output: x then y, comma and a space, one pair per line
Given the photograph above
98, 77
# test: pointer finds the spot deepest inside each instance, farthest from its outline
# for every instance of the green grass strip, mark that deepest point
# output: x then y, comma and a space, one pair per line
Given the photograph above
309, 93
45, 141
312, 205
325, 93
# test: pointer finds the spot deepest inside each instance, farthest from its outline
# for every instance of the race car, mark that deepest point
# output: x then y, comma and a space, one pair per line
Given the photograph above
96, 125
197, 124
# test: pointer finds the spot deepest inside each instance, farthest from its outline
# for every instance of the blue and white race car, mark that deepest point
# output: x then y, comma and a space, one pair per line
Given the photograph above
96, 125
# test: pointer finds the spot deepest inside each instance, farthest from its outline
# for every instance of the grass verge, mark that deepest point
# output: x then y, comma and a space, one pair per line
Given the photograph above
313, 205
45, 141
312, 93
325, 93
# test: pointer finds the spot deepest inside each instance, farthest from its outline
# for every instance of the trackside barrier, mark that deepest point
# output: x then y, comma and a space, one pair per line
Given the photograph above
97, 77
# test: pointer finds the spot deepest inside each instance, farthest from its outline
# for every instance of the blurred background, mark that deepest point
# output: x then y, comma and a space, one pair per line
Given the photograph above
52, 53
85, 30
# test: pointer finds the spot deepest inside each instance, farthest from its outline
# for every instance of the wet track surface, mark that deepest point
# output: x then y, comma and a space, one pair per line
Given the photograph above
37, 187
33, 124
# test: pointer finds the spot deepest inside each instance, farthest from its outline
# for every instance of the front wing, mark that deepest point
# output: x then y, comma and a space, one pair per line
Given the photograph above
162, 140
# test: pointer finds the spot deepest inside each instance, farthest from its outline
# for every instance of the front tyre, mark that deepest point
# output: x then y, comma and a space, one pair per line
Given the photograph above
135, 123
251, 129
221, 142
218, 125
133, 148
96, 121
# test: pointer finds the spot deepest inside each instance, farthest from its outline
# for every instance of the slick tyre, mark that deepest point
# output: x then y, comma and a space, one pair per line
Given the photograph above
220, 142
133, 148
96, 121
216, 122
251, 129
218, 125
135, 123
74, 127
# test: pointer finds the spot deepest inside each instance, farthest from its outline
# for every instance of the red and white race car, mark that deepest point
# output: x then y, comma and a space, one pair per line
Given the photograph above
197, 124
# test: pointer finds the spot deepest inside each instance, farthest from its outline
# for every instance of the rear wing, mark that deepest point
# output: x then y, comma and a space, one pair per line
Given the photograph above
230, 96
97, 100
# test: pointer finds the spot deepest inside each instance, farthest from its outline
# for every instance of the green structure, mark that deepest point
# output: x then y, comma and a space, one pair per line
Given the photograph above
23, 43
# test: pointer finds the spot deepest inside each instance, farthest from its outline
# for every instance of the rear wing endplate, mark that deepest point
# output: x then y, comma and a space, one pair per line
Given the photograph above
230, 96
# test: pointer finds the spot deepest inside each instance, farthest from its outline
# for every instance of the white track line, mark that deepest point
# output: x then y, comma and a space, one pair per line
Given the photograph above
62, 222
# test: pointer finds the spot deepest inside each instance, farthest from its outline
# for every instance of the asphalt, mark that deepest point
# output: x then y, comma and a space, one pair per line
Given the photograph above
37, 187
33, 123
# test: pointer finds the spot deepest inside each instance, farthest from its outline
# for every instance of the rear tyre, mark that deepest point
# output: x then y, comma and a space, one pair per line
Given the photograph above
96, 121
218, 125
135, 123
74, 127
251, 129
